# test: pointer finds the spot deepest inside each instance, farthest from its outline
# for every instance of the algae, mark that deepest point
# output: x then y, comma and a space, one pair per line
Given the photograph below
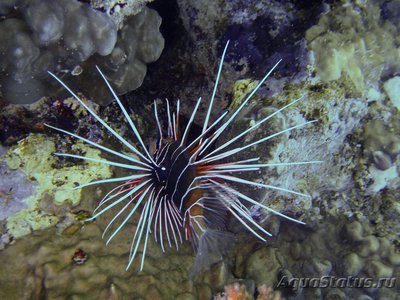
34, 157
241, 89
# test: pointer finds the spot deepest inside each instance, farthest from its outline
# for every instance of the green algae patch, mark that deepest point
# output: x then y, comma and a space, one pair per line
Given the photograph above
354, 43
25, 221
34, 157
241, 89
316, 99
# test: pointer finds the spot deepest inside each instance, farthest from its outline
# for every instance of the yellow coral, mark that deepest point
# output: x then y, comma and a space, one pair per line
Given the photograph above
34, 156
353, 43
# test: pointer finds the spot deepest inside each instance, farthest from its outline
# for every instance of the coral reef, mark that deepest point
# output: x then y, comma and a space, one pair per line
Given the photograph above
69, 38
341, 57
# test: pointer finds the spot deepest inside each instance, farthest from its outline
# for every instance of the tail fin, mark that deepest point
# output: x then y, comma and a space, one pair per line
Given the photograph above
212, 246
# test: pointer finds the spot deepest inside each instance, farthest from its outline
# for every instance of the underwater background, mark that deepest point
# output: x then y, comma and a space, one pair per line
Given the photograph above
343, 57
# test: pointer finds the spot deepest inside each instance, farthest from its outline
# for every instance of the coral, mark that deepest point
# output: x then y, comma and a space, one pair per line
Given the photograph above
357, 141
251, 25
355, 43
234, 291
381, 148
261, 33
352, 219
5, 239
241, 89
47, 268
79, 257
27, 220
15, 188
18, 121
267, 293
118, 10
50, 180
70, 38
338, 115
140, 43
338, 248
392, 89
382, 178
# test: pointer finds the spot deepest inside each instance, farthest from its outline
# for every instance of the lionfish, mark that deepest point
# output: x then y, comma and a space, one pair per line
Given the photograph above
184, 188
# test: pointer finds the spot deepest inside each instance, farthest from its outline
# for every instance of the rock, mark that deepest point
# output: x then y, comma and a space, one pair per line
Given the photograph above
394, 257
296, 251
353, 231
204, 291
352, 264
262, 266
153, 293
313, 293
392, 89
364, 297
322, 267
72, 229
218, 275
369, 246
381, 160
377, 269
184, 296
113, 293
335, 294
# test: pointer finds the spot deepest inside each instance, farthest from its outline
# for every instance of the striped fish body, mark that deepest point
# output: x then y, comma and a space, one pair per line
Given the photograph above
174, 172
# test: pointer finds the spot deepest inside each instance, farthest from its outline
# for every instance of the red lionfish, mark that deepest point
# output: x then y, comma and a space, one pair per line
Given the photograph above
183, 187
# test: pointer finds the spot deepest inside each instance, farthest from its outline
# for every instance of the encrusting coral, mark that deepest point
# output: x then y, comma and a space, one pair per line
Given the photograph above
51, 178
359, 46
